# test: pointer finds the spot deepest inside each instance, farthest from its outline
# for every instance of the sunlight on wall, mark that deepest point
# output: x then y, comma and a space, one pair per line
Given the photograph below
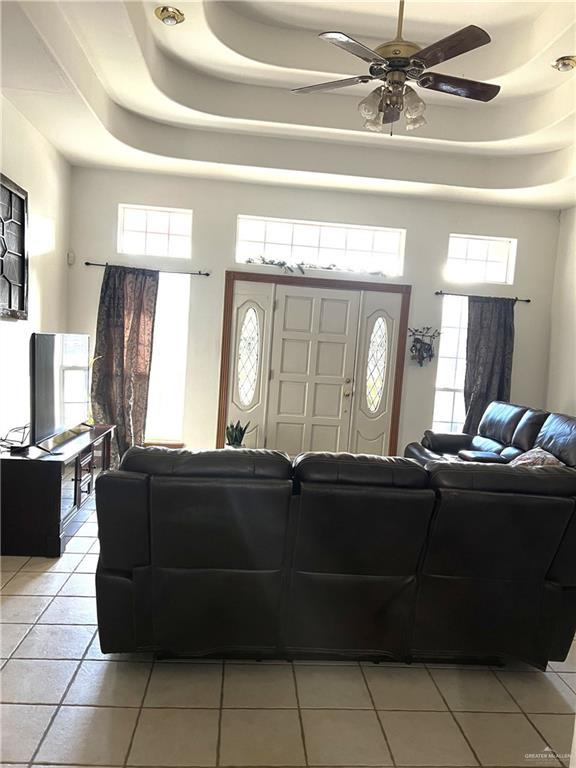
41, 235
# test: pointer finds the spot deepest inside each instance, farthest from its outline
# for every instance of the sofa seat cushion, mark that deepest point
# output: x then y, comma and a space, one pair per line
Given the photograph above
558, 437
536, 457
359, 469
484, 457
244, 463
485, 444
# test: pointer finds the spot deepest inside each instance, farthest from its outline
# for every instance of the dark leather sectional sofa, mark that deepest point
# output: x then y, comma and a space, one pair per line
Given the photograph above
246, 554
505, 432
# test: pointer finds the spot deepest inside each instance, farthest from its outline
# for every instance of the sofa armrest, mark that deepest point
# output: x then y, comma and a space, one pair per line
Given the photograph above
446, 442
123, 520
502, 478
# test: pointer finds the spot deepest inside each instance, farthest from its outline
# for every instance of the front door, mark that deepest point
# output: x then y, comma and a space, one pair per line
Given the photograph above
312, 369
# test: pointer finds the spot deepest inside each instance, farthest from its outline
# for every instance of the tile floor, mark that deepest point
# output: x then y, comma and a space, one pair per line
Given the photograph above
64, 703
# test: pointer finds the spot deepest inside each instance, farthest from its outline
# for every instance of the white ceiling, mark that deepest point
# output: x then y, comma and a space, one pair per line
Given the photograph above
109, 85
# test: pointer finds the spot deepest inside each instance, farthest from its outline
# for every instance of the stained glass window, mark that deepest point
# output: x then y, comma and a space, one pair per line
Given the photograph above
376, 364
248, 357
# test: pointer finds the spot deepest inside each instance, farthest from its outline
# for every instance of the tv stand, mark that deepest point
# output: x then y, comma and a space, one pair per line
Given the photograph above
44, 493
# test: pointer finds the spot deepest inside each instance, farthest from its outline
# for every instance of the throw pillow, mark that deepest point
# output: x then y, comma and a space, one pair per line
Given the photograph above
536, 457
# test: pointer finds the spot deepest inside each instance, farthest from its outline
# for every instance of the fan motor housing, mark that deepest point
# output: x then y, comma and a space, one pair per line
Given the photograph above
397, 49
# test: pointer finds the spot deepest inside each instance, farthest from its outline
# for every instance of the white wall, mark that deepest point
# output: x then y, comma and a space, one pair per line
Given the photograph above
30, 161
562, 372
95, 197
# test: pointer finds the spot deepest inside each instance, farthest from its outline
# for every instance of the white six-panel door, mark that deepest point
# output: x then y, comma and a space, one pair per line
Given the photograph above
313, 369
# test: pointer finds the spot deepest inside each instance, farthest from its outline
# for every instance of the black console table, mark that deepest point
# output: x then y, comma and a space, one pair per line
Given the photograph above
42, 494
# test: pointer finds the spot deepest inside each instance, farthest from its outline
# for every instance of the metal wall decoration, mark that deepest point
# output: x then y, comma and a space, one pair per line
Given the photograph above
13, 250
422, 344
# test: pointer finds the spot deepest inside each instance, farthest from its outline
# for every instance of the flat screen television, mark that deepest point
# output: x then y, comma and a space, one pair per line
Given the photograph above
59, 383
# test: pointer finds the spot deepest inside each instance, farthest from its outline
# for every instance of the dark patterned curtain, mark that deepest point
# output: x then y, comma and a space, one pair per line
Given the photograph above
489, 352
123, 353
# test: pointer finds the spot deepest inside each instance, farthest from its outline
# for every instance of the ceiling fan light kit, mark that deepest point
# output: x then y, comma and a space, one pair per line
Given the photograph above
398, 61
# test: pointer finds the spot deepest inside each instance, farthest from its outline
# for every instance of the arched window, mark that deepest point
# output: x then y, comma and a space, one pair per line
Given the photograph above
376, 364
248, 357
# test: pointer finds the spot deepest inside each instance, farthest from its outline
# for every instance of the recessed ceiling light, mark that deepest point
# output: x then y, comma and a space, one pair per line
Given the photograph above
565, 63
169, 15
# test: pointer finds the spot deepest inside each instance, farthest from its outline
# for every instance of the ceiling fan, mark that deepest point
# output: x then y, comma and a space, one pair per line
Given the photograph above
399, 61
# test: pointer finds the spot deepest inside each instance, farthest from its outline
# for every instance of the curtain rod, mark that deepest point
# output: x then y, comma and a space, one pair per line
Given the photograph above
476, 296
167, 271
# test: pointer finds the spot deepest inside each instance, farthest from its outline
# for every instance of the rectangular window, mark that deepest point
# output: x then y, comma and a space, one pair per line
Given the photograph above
449, 411
476, 259
150, 231
165, 416
340, 246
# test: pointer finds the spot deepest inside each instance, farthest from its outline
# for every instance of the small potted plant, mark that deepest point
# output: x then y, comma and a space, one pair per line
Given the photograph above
235, 434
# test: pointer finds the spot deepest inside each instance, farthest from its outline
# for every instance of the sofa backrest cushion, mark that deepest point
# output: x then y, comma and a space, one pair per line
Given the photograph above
500, 421
231, 463
359, 469
502, 478
528, 428
558, 437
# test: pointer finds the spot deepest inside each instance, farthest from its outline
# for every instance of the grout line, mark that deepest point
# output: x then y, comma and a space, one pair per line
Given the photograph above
139, 715
380, 723
454, 718
220, 710
300, 719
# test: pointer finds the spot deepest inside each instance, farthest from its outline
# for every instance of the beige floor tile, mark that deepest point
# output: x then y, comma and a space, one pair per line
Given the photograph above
5, 577
259, 685
12, 562
344, 737
185, 685
473, 690
80, 545
399, 688
55, 642
558, 730
25, 583
569, 663
22, 610
109, 684
544, 692
65, 564
22, 728
10, 636
88, 564
175, 737
261, 737
79, 585
325, 687
94, 652
70, 610
504, 739
89, 736
88, 529
26, 681
426, 738
569, 678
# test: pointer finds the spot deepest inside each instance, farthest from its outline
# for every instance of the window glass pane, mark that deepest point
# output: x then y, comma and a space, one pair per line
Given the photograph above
376, 364
357, 249
480, 259
154, 232
248, 357
165, 416
449, 399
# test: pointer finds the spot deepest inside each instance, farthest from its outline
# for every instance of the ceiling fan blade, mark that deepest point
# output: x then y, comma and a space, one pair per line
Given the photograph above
466, 39
351, 46
333, 84
458, 86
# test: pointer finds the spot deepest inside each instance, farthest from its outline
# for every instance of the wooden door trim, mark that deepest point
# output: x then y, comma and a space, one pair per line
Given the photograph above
231, 277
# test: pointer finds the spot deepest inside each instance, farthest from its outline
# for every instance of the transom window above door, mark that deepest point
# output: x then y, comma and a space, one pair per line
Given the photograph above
321, 245
151, 231
478, 259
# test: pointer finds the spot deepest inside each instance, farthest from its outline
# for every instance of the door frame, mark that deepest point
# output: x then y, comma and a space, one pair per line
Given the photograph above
231, 277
